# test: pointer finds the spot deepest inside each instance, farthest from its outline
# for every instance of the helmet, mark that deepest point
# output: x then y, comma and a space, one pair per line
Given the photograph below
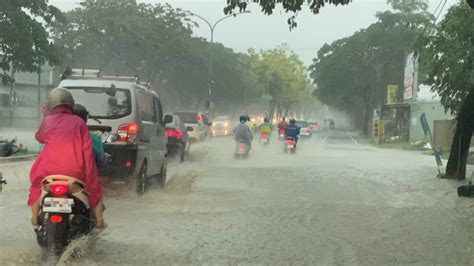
243, 118
266, 120
60, 96
283, 119
81, 111
292, 121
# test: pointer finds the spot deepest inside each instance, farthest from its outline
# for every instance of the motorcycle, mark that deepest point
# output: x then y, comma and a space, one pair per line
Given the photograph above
290, 145
331, 124
242, 150
65, 214
281, 133
8, 147
264, 138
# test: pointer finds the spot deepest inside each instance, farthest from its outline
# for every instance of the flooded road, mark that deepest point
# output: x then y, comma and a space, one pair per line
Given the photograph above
337, 201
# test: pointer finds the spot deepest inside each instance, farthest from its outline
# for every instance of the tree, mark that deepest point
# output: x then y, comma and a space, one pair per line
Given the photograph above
293, 6
24, 41
352, 73
448, 56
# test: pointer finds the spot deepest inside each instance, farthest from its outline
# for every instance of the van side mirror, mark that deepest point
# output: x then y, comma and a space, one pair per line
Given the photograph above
168, 119
189, 129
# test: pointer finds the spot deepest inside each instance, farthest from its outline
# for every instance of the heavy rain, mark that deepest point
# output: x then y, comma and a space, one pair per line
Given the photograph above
269, 132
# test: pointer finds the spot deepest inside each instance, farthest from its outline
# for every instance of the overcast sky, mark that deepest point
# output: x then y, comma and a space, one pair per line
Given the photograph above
259, 31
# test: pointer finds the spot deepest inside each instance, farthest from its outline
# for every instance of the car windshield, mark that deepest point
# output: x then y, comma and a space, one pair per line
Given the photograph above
302, 124
222, 119
187, 117
103, 103
378, 169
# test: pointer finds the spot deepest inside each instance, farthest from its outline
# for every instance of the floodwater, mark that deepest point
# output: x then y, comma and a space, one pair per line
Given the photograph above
337, 201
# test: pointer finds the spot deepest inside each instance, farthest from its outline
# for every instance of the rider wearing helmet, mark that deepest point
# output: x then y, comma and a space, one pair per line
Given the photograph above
242, 132
67, 151
282, 124
266, 127
97, 146
249, 123
292, 130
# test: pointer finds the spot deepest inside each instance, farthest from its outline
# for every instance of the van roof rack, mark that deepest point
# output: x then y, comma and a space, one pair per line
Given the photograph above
84, 73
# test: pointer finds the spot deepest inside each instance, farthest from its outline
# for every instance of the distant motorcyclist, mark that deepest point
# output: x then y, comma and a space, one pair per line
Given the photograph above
249, 123
292, 130
266, 127
282, 124
242, 132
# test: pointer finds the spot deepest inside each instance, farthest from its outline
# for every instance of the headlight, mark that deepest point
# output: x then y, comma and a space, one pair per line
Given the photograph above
225, 124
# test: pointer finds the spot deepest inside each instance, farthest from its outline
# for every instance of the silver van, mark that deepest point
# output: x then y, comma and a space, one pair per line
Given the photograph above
128, 116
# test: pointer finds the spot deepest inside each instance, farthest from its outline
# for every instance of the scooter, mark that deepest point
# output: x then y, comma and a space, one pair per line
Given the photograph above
8, 147
281, 134
242, 150
290, 145
65, 215
264, 139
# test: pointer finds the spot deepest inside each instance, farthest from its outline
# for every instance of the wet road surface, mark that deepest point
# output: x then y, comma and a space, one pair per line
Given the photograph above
337, 201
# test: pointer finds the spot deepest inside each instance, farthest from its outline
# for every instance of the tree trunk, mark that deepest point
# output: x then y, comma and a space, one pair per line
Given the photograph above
456, 167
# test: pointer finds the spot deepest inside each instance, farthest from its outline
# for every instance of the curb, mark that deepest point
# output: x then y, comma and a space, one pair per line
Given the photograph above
13, 159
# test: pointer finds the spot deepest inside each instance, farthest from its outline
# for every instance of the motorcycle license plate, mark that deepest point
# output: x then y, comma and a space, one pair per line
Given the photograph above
291, 146
62, 205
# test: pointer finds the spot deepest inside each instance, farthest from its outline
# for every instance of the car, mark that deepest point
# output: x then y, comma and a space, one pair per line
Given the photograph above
314, 125
178, 139
128, 116
306, 131
221, 126
199, 122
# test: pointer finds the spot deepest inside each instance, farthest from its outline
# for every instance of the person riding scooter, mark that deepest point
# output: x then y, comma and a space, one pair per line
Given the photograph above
242, 132
67, 151
101, 157
266, 127
292, 130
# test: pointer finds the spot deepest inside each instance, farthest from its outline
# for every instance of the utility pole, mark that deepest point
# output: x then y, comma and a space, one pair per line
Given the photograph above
212, 27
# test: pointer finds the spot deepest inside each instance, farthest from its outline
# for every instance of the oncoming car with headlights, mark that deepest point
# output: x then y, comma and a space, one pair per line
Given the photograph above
221, 126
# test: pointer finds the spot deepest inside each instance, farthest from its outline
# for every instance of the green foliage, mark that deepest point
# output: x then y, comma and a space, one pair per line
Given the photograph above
24, 40
448, 56
294, 6
353, 73
155, 41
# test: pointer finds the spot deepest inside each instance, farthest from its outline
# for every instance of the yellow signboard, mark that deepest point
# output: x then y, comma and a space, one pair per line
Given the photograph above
392, 91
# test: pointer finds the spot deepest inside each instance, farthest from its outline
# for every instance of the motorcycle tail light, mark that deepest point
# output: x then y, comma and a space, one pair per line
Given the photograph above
58, 189
289, 142
241, 148
56, 219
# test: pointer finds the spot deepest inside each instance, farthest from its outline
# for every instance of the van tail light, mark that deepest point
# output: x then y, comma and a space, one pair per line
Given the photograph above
174, 133
58, 189
127, 132
198, 118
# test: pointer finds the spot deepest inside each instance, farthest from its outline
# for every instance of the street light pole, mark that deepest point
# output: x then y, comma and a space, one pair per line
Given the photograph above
212, 27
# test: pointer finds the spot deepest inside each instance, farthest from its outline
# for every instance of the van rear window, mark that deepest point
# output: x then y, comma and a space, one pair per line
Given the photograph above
187, 117
103, 102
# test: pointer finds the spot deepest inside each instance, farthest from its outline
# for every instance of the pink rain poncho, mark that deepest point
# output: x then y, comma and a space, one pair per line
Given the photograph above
67, 151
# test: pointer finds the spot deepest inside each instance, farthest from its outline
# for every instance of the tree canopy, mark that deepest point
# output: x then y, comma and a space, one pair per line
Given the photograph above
24, 40
448, 56
352, 73
156, 43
